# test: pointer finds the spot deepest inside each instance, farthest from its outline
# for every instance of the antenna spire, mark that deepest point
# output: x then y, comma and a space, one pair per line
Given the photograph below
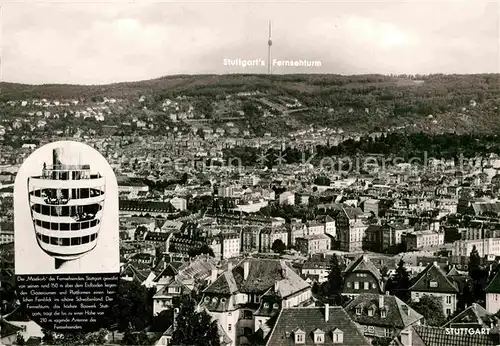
269, 44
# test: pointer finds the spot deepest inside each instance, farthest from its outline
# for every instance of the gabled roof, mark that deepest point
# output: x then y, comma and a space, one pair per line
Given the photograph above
310, 319
473, 315
324, 218
453, 271
262, 275
494, 285
136, 274
398, 314
172, 283
363, 264
170, 270
433, 273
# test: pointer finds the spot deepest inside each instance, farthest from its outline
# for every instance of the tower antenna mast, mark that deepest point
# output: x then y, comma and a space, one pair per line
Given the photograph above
269, 44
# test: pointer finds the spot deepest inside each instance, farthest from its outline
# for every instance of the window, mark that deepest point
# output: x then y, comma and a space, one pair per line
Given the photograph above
370, 330
387, 332
433, 284
349, 284
299, 337
229, 327
448, 299
319, 338
448, 312
338, 336
356, 285
370, 312
366, 285
358, 310
374, 285
383, 313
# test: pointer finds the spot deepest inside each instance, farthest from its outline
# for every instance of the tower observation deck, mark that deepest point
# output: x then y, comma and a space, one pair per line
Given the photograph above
66, 204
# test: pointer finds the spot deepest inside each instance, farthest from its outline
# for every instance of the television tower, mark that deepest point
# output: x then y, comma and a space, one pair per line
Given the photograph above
269, 44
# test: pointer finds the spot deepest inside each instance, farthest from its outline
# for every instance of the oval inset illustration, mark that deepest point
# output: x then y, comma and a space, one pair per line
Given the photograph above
66, 235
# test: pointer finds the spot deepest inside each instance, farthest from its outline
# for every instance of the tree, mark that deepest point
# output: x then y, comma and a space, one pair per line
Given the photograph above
431, 308
202, 250
48, 336
134, 307
77, 338
136, 338
474, 261
466, 296
399, 284
477, 274
139, 232
194, 328
162, 321
332, 288
278, 246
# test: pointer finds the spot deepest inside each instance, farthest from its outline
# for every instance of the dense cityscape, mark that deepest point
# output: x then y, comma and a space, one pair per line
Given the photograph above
365, 215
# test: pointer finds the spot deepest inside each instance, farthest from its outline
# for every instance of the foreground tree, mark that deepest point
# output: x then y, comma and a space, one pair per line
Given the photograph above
331, 290
478, 275
194, 328
432, 309
134, 306
399, 284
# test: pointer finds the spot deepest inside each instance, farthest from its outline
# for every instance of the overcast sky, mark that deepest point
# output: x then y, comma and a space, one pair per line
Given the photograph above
95, 43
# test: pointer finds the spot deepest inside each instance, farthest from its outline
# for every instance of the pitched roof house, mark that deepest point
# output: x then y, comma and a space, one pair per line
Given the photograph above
475, 316
434, 282
328, 325
362, 277
382, 315
236, 294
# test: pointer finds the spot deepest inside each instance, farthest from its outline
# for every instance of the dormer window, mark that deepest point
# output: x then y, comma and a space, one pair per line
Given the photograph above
300, 336
358, 310
276, 306
319, 336
383, 313
266, 305
338, 336
207, 299
433, 284
370, 312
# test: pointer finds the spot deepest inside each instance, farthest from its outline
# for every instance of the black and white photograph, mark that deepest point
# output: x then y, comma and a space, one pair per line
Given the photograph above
250, 172
66, 212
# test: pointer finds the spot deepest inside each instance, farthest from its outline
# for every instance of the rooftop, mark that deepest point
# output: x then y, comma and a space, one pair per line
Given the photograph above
312, 319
